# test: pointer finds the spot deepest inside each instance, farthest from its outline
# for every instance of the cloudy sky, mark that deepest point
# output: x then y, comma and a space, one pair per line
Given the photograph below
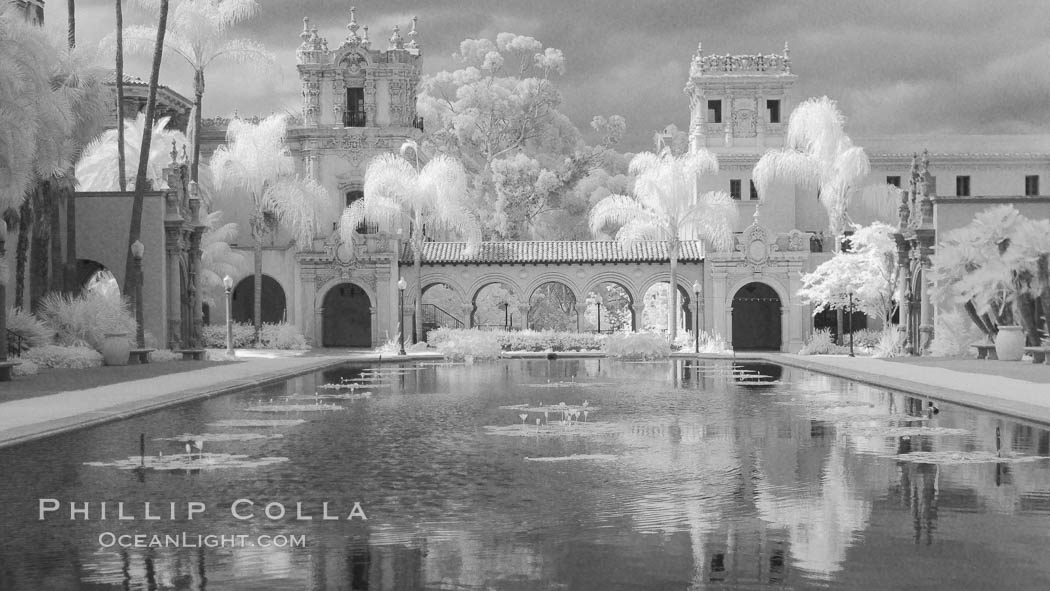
930, 66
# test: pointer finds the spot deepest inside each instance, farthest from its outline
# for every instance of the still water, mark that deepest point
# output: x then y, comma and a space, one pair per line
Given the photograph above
669, 475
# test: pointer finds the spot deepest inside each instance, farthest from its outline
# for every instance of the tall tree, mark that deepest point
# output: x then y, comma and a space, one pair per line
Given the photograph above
818, 154
414, 200
255, 163
498, 115
122, 174
199, 34
667, 206
130, 277
35, 124
97, 169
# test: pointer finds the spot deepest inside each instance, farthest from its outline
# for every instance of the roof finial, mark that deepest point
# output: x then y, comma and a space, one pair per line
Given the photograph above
365, 41
396, 42
412, 34
754, 216
174, 153
352, 25
305, 35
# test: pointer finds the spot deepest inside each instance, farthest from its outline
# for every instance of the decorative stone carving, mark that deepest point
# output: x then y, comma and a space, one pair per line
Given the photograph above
756, 244
798, 240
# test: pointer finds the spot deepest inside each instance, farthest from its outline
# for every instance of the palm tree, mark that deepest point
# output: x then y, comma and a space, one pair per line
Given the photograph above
667, 206
409, 199
144, 150
98, 170
122, 175
35, 125
218, 259
199, 34
818, 153
256, 162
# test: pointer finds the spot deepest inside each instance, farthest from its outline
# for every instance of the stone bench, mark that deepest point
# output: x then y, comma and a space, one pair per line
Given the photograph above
140, 355
192, 354
985, 351
5, 369
1040, 354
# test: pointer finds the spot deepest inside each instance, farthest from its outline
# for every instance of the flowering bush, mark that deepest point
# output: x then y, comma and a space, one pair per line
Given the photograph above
164, 355
272, 336
953, 334
891, 343
25, 368
86, 318
709, 344
281, 336
868, 338
637, 345
63, 357
821, 343
526, 340
34, 333
465, 344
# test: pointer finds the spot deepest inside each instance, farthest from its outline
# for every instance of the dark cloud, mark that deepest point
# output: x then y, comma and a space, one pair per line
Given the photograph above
895, 66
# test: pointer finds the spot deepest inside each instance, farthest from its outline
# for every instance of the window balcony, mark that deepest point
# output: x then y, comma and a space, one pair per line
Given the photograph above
353, 119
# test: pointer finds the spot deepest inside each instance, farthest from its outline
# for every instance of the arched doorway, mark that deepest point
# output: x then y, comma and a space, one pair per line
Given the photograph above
243, 302
756, 318
552, 306
347, 318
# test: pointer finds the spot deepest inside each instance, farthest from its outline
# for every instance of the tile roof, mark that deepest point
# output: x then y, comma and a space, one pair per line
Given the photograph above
564, 252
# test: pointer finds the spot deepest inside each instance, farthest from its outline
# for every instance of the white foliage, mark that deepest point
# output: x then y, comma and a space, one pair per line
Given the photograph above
868, 272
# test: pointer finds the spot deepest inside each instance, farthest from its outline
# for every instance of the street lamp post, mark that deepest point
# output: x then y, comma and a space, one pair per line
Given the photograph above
227, 283
851, 325
401, 285
137, 250
697, 289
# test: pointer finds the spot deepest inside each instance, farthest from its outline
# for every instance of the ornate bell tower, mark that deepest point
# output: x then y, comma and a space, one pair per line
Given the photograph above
739, 101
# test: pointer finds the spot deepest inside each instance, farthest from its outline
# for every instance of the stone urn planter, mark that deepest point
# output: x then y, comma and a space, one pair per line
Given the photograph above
116, 349
1009, 343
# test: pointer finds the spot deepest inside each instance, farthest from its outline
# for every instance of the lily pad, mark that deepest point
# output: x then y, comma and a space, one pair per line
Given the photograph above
294, 408
344, 396
257, 423
198, 461
556, 429
963, 457
576, 457
219, 437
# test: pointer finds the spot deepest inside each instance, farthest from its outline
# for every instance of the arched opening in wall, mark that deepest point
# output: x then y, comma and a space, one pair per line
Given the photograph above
552, 306
608, 309
347, 317
756, 318
495, 307
442, 307
95, 278
655, 316
273, 302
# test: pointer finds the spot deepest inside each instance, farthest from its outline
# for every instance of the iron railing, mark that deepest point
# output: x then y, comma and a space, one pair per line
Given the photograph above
353, 118
434, 316
16, 344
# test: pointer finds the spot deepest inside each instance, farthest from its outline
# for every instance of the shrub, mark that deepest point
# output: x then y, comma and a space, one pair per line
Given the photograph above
526, 340
281, 336
214, 335
460, 344
164, 356
709, 344
63, 357
891, 343
821, 343
25, 368
866, 338
953, 334
86, 318
272, 336
639, 345
34, 333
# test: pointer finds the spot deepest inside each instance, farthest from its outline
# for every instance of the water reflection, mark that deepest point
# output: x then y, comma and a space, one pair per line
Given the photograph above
711, 481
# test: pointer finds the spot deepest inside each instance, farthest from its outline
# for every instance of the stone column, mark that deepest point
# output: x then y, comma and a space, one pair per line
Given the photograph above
722, 313
581, 311
467, 311
194, 265
376, 339
638, 317
173, 250
522, 321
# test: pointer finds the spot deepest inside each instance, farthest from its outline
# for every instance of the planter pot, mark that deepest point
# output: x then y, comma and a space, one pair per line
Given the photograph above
1009, 343
116, 349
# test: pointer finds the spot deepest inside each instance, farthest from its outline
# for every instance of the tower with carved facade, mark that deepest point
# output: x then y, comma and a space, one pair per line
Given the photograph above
358, 100
739, 101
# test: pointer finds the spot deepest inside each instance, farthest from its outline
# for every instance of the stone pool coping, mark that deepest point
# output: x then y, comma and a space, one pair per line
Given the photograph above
1015, 398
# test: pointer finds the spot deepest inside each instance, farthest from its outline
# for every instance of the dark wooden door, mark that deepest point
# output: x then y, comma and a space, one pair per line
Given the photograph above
347, 317
756, 318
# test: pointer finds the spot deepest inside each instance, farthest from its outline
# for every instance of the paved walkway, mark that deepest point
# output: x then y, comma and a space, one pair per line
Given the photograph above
42, 416
992, 391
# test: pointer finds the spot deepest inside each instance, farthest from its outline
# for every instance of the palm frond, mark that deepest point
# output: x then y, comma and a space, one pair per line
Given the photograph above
712, 218
876, 203
243, 51
615, 210
785, 165
296, 203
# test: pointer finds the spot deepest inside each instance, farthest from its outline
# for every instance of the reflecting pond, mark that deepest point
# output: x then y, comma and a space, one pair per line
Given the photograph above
536, 474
